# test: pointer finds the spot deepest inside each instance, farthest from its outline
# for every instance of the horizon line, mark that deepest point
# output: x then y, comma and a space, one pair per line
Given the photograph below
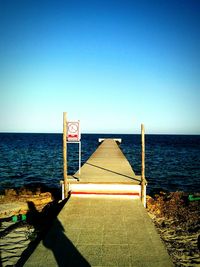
13, 132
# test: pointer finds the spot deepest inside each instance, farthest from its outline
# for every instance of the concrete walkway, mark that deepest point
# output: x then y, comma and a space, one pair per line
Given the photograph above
101, 232
107, 165
107, 171
103, 223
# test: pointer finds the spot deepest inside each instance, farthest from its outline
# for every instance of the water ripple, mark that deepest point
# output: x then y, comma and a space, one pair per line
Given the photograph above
172, 162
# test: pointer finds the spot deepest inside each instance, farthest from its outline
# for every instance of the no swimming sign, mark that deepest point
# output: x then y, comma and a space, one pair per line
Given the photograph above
73, 131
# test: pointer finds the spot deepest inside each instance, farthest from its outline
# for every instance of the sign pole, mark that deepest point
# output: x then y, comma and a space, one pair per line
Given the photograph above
79, 170
65, 153
74, 136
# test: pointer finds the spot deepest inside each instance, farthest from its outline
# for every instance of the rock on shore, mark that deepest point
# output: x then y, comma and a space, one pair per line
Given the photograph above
14, 202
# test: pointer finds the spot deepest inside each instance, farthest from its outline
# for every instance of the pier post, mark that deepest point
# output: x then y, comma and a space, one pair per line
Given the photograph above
65, 153
143, 185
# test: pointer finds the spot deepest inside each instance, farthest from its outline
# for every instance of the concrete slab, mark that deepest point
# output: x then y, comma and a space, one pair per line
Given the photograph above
107, 164
101, 232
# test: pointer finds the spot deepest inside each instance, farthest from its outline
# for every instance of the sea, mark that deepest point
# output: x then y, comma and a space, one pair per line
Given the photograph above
172, 162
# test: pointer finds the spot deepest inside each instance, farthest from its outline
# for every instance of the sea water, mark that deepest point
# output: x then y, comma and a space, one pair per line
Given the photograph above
172, 161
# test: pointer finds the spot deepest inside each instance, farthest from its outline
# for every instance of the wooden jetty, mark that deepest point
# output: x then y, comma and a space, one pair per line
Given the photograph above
104, 222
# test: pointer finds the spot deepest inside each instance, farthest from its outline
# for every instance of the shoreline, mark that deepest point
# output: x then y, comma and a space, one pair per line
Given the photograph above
174, 216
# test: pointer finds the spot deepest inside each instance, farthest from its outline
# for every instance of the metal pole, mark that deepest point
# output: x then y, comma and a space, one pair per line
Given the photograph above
65, 153
143, 186
79, 171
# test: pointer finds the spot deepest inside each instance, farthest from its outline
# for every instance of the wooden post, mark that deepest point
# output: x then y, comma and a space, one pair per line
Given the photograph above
65, 154
143, 189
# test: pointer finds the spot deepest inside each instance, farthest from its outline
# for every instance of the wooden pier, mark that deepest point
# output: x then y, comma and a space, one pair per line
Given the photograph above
104, 222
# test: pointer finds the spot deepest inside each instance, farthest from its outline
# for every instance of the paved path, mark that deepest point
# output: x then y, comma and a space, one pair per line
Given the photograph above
107, 171
101, 232
107, 165
103, 228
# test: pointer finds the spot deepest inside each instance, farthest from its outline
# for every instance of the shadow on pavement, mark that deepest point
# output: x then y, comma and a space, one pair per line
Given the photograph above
120, 174
63, 249
51, 232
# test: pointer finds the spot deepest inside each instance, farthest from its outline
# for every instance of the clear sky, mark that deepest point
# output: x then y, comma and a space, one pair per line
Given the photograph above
111, 64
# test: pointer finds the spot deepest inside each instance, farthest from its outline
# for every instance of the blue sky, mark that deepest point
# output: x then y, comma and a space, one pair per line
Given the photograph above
111, 64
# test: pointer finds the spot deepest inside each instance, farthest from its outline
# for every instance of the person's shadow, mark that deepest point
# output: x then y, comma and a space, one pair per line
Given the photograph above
52, 235
63, 249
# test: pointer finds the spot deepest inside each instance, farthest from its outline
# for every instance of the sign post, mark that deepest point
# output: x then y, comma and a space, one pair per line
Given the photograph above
71, 134
74, 136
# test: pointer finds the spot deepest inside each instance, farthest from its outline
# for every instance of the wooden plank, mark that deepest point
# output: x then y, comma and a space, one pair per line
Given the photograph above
65, 154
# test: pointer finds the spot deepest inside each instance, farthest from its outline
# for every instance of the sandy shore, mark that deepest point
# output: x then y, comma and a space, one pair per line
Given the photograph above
16, 228
177, 221
14, 242
181, 245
